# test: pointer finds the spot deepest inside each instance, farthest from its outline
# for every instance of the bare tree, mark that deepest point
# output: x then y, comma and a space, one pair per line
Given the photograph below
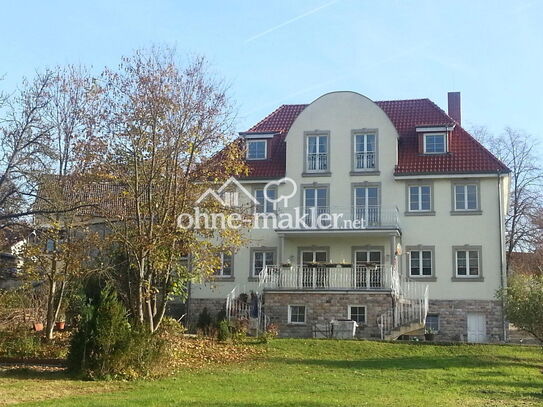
163, 123
24, 136
518, 150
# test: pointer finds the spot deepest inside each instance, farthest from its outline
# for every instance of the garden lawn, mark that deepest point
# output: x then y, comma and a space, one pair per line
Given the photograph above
316, 373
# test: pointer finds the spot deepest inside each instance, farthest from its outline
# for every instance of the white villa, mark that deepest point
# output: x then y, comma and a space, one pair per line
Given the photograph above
421, 234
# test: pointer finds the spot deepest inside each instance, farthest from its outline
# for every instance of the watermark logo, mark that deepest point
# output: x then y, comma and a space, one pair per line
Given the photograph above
268, 208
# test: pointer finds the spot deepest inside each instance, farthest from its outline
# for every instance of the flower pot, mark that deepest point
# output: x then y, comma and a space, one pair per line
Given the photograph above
60, 325
429, 337
38, 326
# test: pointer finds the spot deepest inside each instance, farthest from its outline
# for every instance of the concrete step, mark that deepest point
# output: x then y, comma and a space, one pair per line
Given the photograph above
404, 330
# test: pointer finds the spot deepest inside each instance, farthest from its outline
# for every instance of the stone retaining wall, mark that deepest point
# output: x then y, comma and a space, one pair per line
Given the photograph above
197, 305
453, 320
321, 308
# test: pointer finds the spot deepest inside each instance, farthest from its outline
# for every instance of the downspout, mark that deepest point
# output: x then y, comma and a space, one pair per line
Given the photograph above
503, 277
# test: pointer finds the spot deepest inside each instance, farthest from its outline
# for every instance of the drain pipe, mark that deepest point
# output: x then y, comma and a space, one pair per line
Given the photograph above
503, 277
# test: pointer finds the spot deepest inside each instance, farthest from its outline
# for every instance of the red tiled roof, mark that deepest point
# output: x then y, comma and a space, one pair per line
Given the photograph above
465, 155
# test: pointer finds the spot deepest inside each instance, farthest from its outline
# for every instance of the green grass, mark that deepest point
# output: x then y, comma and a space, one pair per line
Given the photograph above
306, 373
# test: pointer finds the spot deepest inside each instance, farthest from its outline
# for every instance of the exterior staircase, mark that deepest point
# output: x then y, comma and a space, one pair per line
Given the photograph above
409, 310
240, 308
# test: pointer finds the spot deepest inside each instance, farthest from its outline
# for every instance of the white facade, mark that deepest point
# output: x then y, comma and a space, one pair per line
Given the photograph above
441, 229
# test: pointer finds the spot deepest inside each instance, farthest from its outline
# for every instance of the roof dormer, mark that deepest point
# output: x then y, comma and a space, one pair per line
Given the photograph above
434, 139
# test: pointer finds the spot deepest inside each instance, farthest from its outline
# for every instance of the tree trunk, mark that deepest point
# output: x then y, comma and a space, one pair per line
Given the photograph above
50, 318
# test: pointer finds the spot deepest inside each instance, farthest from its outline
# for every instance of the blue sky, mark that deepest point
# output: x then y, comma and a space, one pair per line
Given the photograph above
278, 52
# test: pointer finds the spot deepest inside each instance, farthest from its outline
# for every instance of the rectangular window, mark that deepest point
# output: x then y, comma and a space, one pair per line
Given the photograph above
265, 200
466, 197
432, 322
262, 258
357, 313
420, 198
225, 269
315, 204
366, 205
420, 263
296, 314
434, 143
317, 153
467, 263
257, 149
364, 151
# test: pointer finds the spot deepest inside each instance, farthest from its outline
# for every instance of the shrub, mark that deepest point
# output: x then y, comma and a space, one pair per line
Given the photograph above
20, 343
223, 333
523, 300
204, 321
106, 345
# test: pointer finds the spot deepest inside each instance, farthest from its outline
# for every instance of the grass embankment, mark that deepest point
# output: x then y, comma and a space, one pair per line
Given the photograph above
313, 373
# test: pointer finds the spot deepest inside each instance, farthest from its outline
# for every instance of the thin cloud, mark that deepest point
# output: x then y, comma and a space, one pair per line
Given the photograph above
277, 27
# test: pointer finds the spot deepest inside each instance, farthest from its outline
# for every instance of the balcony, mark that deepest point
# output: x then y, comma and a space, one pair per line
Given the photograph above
337, 218
365, 160
327, 277
317, 162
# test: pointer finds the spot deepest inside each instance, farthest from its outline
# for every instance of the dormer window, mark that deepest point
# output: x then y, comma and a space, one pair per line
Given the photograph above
435, 143
257, 149
434, 139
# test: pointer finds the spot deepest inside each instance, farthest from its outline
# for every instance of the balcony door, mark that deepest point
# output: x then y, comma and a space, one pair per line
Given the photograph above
368, 270
367, 206
313, 269
315, 204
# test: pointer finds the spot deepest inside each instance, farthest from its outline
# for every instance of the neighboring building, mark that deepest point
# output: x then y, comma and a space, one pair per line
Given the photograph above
430, 201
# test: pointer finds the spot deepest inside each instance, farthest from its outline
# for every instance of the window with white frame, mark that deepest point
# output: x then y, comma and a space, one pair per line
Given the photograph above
257, 149
420, 263
466, 197
357, 313
420, 198
225, 268
262, 258
365, 151
432, 322
468, 263
317, 153
296, 314
315, 204
435, 143
265, 200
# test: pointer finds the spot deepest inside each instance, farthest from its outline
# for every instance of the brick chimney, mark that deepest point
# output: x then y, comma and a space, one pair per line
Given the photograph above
455, 110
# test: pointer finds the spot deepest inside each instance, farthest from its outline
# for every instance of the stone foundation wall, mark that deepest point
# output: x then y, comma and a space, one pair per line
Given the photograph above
197, 305
322, 308
453, 319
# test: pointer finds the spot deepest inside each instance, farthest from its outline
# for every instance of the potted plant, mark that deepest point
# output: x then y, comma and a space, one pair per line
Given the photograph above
429, 334
38, 326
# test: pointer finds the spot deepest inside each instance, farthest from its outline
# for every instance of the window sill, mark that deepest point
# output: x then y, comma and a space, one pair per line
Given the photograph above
421, 213
296, 324
460, 213
427, 279
467, 279
317, 174
221, 279
362, 173
253, 279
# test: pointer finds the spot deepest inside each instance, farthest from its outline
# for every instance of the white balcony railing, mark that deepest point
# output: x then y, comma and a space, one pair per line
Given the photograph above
365, 160
317, 162
326, 277
342, 217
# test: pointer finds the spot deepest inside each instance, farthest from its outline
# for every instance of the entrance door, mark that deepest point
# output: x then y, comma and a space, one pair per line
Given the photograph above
476, 327
367, 272
313, 274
